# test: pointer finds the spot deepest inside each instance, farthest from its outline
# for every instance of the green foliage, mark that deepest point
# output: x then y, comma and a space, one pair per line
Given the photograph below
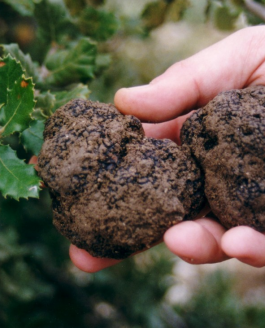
30, 68
16, 102
23, 7
45, 103
32, 138
51, 52
16, 276
65, 61
17, 98
78, 91
53, 19
17, 178
225, 13
156, 13
97, 24
72, 65
216, 305
224, 18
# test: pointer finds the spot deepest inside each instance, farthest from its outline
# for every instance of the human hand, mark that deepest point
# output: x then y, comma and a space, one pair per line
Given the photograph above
236, 62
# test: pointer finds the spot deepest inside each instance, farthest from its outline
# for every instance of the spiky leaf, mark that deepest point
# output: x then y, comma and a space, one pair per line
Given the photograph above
62, 97
44, 106
17, 179
16, 97
32, 138
73, 65
29, 67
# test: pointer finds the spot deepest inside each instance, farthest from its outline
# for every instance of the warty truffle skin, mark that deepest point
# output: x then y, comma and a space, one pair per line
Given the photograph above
114, 191
227, 137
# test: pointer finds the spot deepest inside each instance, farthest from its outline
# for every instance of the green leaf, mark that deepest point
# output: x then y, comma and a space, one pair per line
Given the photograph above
62, 97
73, 65
225, 18
44, 106
26, 62
18, 179
98, 24
53, 19
32, 138
154, 14
23, 7
16, 97
102, 62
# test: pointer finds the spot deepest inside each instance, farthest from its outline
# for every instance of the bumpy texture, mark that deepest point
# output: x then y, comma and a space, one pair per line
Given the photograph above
114, 191
227, 137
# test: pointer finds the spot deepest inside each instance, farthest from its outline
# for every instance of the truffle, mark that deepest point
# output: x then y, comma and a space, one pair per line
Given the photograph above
115, 191
227, 137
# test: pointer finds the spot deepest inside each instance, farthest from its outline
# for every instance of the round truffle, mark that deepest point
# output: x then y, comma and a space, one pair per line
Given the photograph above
227, 137
114, 191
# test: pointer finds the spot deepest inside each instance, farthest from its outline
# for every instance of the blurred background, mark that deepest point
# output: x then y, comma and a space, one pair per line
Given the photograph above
39, 287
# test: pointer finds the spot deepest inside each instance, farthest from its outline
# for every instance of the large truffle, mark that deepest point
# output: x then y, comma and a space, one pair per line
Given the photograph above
114, 191
227, 137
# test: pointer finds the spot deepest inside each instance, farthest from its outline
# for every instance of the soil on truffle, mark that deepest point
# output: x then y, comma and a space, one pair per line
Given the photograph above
227, 137
115, 191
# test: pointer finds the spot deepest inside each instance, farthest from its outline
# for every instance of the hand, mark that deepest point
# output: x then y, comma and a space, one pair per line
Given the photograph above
236, 62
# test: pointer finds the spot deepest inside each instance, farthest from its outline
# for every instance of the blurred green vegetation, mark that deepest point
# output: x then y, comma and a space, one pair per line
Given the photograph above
39, 287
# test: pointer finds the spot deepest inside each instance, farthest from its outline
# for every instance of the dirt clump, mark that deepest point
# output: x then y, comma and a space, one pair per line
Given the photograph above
115, 191
227, 138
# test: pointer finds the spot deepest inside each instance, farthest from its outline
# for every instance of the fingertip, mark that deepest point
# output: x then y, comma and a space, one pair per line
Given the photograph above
245, 244
128, 100
196, 242
150, 103
235, 241
192, 242
119, 97
86, 262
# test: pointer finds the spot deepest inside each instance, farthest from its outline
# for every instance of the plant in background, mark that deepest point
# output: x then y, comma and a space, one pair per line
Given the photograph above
32, 91
50, 51
53, 51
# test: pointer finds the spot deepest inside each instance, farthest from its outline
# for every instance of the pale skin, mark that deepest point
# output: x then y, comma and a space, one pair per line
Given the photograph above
233, 63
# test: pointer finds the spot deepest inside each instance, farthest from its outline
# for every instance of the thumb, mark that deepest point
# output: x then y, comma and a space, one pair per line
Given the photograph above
235, 62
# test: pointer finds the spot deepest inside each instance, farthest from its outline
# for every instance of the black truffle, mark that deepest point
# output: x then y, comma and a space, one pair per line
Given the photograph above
114, 191
227, 137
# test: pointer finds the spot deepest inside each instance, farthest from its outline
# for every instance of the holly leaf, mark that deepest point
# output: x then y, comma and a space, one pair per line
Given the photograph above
44, 106
18, 180
73, 65
16, 97
32, 138
29, 67
62, 97
98, 24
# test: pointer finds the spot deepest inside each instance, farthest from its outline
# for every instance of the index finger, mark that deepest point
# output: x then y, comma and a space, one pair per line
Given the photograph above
234, 62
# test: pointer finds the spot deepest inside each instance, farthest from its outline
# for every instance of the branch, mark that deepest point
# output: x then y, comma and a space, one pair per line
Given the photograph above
255, 8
